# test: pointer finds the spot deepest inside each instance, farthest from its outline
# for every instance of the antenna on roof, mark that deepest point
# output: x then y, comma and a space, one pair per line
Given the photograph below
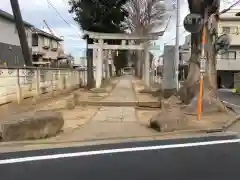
50, 30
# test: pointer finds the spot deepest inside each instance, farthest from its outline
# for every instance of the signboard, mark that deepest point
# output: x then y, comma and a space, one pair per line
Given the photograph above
222, 44
169, 79
193, 23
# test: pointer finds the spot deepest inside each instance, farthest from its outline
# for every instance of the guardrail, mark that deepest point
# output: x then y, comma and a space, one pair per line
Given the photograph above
17, 84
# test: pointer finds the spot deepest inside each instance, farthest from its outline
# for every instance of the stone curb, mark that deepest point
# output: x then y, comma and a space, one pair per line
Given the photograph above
128, 104
230, 123
223, 128
147, 108
107, 103
49, 142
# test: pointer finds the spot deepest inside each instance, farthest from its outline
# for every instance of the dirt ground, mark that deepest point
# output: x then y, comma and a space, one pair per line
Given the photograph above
77, 117
207, 121
53, 101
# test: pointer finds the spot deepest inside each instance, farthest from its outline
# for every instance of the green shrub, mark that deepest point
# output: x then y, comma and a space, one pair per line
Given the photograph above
236, 90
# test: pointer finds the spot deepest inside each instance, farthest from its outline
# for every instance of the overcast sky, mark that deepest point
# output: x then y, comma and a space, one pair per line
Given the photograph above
35, 11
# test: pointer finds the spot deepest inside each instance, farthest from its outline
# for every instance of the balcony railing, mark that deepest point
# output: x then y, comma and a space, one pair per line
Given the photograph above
228, 64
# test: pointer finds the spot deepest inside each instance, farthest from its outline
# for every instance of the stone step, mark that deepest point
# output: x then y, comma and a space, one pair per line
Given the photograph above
116, 104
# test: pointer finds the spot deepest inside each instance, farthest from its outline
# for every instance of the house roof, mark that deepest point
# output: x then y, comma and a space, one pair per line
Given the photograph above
43, 33
10, 17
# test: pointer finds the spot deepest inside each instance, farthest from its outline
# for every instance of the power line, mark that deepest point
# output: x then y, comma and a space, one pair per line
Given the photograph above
167, 23
48, 1
229, 8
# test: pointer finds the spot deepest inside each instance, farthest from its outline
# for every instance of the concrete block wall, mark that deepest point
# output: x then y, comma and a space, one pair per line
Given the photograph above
17, 84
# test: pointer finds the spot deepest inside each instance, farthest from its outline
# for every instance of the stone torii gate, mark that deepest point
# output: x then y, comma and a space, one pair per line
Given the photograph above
100, 46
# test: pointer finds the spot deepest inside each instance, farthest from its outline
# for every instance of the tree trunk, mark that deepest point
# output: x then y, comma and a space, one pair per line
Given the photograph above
210, 97
190, 86
210, 102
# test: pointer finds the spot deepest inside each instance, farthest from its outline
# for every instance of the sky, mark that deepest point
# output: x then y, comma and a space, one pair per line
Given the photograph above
36, 11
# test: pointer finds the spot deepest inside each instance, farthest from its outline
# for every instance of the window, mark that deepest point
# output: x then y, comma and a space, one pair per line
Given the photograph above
233, 29
231, 55
54, 45
34, 40
226, 30
46, 42
16, 60
229, 29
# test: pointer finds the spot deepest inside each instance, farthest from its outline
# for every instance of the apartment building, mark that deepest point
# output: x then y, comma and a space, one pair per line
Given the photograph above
10, 49
47, 49
228, 64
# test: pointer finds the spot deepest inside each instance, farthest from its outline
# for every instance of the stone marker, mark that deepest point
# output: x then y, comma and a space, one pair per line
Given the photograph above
72, 101
169, 120
40, 124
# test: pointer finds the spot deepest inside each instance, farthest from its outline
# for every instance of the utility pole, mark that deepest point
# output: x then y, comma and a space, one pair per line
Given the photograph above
177, 43
203, 60
21, 32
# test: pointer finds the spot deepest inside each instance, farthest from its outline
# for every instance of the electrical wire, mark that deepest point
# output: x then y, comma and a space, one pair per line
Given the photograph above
167, 23
230, 7
222, 12
59, 14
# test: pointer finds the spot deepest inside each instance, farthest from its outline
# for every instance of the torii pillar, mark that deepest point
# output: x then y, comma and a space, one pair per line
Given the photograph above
99, 64
124, 37
146, 64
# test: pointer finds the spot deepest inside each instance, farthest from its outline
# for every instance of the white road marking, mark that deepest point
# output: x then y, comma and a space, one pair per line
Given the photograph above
231, 104
113, 151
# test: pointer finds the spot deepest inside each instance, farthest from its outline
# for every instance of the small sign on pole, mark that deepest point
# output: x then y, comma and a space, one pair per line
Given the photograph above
193, 23
202, 71
203, 65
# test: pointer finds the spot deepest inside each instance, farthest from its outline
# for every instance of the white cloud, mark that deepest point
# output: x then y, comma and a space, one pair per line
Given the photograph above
36, 11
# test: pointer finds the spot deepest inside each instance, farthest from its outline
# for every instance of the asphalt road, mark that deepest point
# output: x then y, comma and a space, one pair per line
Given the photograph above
213, 158
227, 96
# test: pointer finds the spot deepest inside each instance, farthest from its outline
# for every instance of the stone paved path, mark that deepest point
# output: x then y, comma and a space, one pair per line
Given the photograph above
113, 122
123, 91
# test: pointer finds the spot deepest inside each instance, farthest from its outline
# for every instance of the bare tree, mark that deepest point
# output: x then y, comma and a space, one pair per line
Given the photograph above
145, 16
